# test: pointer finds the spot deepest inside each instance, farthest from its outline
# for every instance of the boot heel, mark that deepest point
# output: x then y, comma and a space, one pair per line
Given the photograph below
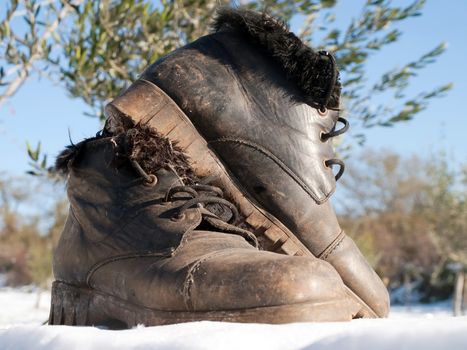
69, 306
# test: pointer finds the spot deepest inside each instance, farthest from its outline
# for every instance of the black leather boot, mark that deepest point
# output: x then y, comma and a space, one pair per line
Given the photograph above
256, 109
147, 243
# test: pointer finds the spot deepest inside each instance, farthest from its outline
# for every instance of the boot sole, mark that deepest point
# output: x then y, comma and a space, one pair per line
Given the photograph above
146, 104
78, 306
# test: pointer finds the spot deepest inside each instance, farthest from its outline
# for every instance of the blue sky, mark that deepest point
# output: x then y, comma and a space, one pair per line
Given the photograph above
41, 111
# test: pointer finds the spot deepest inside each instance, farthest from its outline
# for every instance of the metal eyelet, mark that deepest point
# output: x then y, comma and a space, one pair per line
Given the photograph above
178, 217
322, 136
151, 181
322, 111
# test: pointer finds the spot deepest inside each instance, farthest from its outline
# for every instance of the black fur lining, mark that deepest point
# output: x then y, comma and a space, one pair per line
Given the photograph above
315, 74
153, 151
142, 144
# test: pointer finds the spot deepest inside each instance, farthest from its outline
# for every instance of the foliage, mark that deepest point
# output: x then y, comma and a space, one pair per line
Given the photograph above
366, 35
38, 163
29, 41
96, 48
411, 216
113, 41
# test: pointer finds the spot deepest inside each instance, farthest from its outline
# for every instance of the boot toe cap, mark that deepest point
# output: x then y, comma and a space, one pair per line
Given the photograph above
238, 280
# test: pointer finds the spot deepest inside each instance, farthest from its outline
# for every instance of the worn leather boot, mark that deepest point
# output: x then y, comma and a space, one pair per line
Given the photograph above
256, 109
145, 243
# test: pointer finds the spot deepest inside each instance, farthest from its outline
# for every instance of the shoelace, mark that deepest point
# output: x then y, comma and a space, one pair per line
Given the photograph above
200, 194
323, 110
198, 198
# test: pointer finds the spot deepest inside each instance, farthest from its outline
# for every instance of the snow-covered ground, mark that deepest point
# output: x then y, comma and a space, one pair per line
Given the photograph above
23, 306
418, 327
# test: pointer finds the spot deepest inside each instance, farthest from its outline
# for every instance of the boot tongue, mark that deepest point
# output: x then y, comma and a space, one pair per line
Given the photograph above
219, 210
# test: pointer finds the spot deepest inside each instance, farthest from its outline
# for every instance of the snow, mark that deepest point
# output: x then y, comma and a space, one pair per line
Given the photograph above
420, 327
23, 306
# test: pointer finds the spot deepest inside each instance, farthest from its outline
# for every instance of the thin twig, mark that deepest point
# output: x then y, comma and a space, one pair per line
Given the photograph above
37, 52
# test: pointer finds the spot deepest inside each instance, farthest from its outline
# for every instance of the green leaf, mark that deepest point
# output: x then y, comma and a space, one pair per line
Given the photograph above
33, 153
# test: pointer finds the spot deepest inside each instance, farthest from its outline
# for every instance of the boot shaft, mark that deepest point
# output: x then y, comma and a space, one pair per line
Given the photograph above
226, 86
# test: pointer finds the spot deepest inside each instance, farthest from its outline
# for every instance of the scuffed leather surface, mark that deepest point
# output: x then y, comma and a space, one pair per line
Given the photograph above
110, 216
350, 262
218, 87
216, 271
315, 225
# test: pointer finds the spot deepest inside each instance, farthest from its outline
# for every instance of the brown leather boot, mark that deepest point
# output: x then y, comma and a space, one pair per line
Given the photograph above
143, 245
255, 108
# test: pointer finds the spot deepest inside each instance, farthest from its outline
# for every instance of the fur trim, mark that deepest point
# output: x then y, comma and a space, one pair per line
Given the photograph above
153, 151
142, 144
315, 74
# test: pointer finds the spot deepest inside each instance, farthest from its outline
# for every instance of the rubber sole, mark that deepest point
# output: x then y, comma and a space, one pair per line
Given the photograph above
147, 104
75, 306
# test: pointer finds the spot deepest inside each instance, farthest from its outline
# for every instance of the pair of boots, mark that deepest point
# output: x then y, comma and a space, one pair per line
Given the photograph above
205, 197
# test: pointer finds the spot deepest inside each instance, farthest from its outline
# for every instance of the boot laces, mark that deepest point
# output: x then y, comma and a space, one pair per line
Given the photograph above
204, 194
201, 195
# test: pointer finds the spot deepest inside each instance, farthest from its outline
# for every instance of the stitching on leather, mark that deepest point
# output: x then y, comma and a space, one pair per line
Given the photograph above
333, 246
186, 235
276, 160
190, 280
